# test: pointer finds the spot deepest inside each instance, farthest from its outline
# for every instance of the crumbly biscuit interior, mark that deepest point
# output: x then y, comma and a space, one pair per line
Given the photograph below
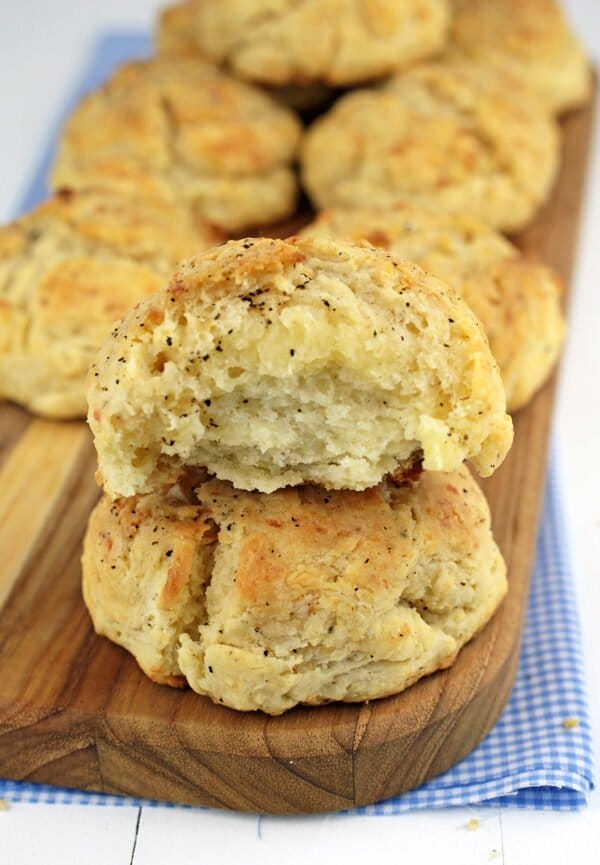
332, 371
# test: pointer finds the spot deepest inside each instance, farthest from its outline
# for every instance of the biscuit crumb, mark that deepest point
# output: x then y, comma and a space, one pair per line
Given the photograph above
3, 805
570, 723
473, 824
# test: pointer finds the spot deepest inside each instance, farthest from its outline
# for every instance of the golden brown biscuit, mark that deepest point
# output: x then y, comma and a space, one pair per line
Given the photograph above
445, 135
176, 129
516, 298
300, 596
176, 37
530, 39
332, 41
278, 362
68, 271
175, 31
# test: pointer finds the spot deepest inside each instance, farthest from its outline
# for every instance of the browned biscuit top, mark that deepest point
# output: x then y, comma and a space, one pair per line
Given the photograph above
176, 129
68, 271
332, 41
445, 135
528, 39
299, 596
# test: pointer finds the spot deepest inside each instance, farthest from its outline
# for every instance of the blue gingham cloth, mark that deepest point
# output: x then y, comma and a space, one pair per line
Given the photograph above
539, 754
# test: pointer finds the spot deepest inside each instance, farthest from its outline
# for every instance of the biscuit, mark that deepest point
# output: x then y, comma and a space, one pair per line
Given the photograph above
517, 299
300, 596
176, 37
68, 271
531, 39
277, 362
446, 135
176, 129
175, 34
338, 43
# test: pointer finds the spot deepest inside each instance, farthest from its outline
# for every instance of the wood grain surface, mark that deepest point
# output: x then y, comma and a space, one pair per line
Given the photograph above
76, 711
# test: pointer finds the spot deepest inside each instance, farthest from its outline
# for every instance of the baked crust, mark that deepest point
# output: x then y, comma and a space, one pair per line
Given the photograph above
177, 130
338, 43
176, 36
526, 39
68, 271
300, 596
451, 136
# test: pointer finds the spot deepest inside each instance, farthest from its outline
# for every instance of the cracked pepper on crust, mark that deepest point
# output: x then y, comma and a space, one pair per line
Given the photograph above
337, 42
300, 596
516, 298
68, 270
531, 39
277, 362
177, 129
446, 135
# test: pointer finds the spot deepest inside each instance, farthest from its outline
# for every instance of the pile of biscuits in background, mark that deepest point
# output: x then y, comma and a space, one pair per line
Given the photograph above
282, 425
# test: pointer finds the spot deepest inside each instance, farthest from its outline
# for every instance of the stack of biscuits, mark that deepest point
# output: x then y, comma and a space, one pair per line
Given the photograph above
267, 533
282, 426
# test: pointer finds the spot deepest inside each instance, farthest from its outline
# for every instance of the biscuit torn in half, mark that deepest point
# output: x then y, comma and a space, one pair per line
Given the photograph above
275, 363
301, 596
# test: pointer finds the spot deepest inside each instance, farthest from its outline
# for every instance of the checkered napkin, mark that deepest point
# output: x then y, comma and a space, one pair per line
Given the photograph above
539, 754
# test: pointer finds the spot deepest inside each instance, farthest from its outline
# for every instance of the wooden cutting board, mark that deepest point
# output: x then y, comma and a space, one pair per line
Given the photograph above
76, 711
